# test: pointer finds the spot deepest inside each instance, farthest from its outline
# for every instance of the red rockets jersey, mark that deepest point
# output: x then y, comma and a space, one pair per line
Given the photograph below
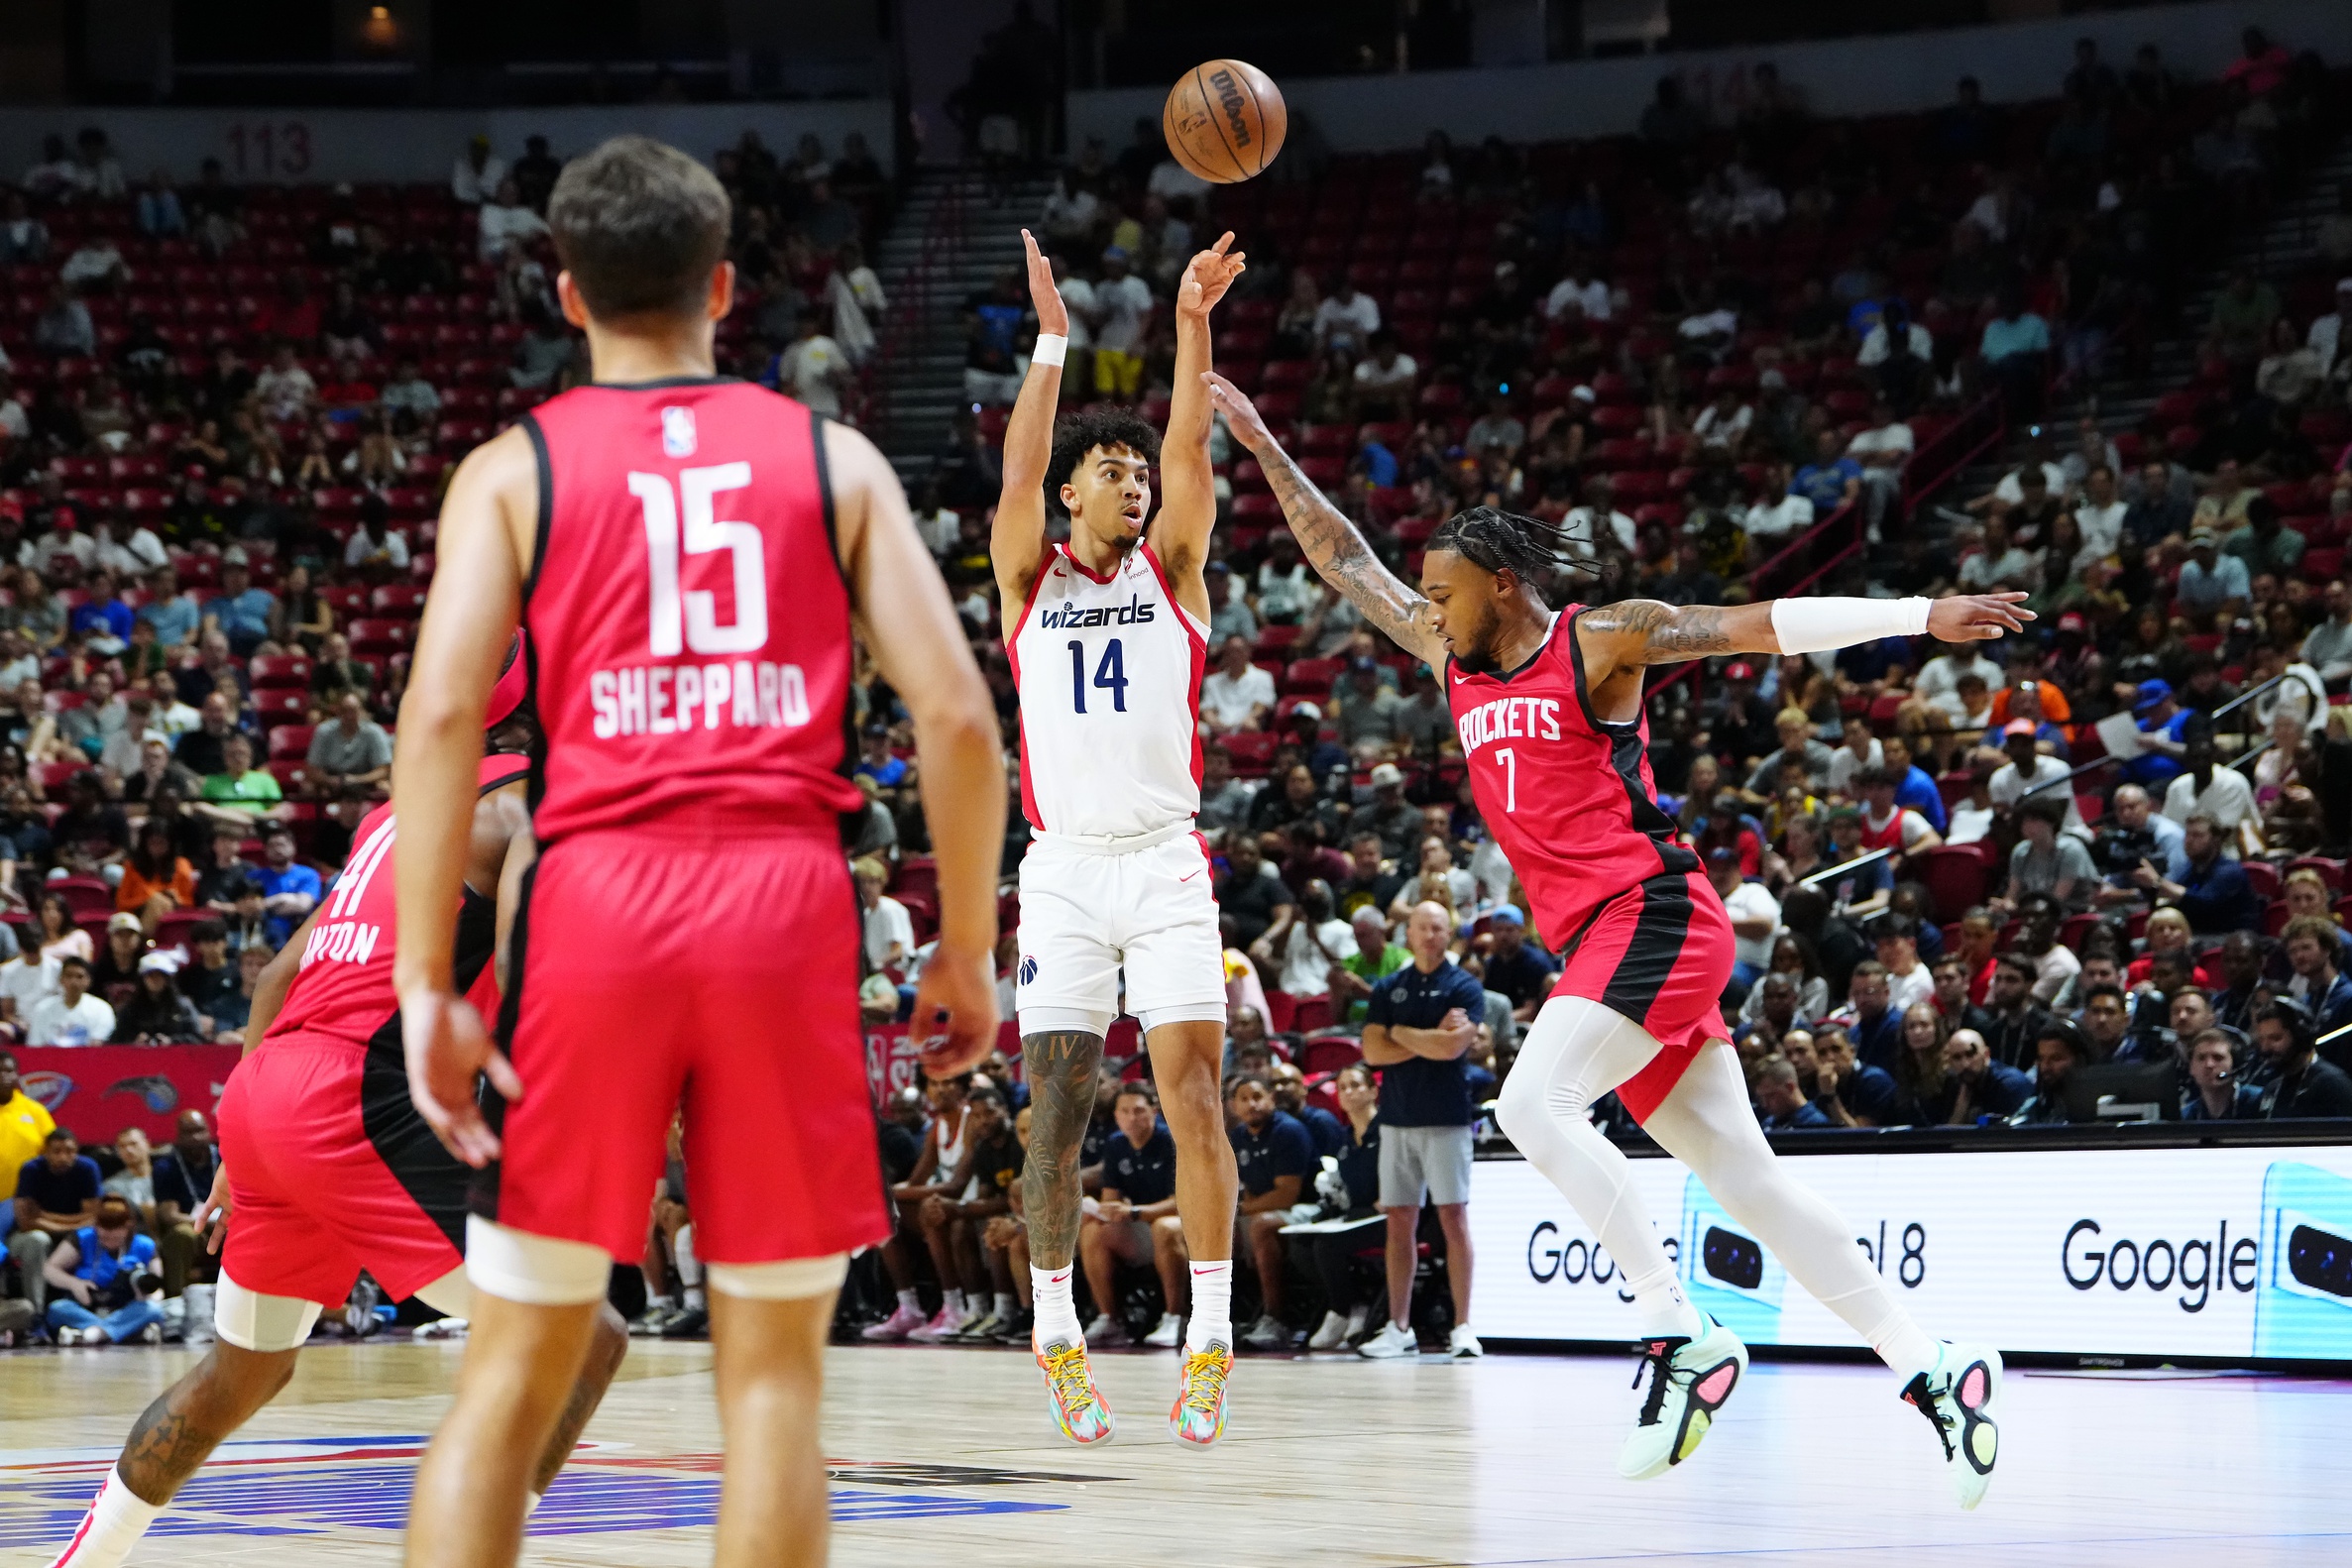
344, 990
1567, 795
689, 624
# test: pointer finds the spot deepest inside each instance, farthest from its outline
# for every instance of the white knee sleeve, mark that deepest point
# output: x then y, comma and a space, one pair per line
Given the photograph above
1064, 1020
538, 1271
450, 1296
790, 1280
690, 1268
1152, 1018
262, 1323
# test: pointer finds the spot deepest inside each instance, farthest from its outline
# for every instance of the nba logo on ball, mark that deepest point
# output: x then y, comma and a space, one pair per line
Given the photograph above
677, 432
1027, 972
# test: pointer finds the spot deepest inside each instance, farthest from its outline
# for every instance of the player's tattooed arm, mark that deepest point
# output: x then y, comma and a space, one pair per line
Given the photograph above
1637, 631
1060, 1066
1331, 544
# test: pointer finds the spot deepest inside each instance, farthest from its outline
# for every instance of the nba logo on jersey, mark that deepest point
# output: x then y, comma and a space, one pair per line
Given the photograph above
677, 432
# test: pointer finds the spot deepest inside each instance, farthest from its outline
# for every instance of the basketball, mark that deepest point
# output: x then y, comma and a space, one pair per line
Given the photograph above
1225, 121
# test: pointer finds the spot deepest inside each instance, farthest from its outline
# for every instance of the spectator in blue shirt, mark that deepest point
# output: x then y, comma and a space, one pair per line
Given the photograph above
1135, 1217
1780, 1103
2214, 1091
1516, 968
1290, 1097
173, 614
241, 611
2210, 582
1913, 787
1422, 1022
1276, 1159
102, 1282
2015, 348
1851, 1093
1831, 479
877, 763
2324, 990
1985, 1087
2212, 889
101, 619
290, 889
2162, 743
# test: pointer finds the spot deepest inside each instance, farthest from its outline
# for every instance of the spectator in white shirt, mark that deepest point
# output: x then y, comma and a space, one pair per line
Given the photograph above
1876, 346
1754, 912
1711, 326
1882, 449
285, 386
1171, 179
2029, 768
96, 267
1579, 288
814, 368
130, 548
1286, 588
70, 1016
1723, 425
375, 542
2000, 564
2328, 337
1237, 695
28, 977
889, 928
2205, 789
1346, 319
1383, 380
409, 393
477, 173
506, 221
1778, 516
2099, 516
1306, 944
1598, 525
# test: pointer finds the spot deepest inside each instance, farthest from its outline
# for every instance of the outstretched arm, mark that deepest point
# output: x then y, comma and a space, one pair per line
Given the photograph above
1017, 542
1188, 504
1642, 631
1330, 542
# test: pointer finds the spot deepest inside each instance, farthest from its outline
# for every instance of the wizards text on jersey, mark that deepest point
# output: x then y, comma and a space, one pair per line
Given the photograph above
1135, 612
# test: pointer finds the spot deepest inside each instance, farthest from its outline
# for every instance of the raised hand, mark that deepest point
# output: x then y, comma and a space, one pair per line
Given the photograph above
1241, 414
1978, 617
1208, 275
1052, 314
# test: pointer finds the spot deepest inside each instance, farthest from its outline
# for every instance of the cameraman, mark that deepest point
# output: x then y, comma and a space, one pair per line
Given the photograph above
103, 1288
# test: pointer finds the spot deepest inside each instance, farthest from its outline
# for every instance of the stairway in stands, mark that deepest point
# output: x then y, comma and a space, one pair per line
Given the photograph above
2283, 245
952, 237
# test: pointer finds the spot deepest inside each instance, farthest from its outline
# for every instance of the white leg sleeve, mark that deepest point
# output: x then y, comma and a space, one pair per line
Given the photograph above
450, 1296
1574, 1052
690, 1268
1705, 1123
262, 1323
538, 1271
789, 1280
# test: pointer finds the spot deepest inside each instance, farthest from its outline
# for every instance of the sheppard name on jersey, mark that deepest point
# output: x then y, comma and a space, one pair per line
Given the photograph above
668, 699
343, 941
1507, 718
1134, 612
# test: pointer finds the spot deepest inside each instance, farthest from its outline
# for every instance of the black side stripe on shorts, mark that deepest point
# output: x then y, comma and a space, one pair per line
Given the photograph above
433, 1177
1658, 935
483, 1196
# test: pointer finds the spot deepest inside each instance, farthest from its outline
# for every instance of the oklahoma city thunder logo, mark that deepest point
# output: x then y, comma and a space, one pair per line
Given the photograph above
677, 432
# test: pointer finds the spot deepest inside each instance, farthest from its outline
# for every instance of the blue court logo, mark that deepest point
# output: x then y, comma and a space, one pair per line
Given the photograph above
1027, 972
356, 1485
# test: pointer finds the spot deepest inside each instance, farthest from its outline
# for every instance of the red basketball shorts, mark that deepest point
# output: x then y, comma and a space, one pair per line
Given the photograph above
650, 974
1660, 953
331, 1170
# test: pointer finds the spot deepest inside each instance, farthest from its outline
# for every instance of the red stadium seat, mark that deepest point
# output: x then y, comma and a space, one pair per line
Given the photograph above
1252, 752
290, 743
281, 670
281, 704
373, 635
1957, 879
1311, 677
86, 897
399, 598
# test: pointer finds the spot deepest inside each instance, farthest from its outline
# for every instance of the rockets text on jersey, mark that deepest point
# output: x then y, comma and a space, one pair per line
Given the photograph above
1567, 795
1109, 673
689, 621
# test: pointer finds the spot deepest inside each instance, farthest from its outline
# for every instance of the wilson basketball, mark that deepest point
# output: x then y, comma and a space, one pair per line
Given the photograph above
1224, 121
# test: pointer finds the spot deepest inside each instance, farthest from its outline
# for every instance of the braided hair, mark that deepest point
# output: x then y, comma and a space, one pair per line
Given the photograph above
1530, 549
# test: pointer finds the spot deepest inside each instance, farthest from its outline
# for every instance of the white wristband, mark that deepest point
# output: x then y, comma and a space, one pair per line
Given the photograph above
1052, 348
1815, 626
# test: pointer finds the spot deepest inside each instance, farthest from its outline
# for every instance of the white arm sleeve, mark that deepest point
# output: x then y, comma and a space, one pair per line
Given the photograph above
1815, 626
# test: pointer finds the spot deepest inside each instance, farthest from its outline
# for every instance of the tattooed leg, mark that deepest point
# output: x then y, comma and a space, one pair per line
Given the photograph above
606, 1348
1061, 1068
189, 1420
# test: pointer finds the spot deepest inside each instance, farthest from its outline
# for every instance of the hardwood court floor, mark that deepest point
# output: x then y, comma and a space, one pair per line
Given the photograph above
946, 1457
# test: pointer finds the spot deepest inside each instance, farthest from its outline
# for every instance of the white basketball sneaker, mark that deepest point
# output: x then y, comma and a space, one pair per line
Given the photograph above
1957, 1396
1690, 1379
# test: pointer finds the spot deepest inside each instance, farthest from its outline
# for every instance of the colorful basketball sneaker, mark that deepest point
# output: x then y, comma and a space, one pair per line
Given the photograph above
1197, 1419
1957, 1398
1079, 1409
1690, 1379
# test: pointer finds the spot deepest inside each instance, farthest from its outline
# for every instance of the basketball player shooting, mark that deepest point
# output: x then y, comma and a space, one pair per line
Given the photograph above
1548, 707
691, 555
1108, 652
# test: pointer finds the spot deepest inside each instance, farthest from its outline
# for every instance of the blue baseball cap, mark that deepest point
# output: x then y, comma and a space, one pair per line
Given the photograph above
1509, 912
2151, 693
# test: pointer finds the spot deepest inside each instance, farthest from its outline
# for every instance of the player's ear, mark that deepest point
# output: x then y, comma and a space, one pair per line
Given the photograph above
1069, 499
567, 296
723, 292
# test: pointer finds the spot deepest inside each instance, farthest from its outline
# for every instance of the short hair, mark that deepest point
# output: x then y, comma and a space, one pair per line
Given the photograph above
1792, 714
2043, 809
2322, 932
1242, 1081
1888, 928
1140, 1088
1871, 778
73, 960
2192, 991
209, 931
2095, 992
639, 225
55, 1133
2066, 1034
2215, 1033
985, 1091
1776, 1069
1082, 432
1867, 970
2017, 961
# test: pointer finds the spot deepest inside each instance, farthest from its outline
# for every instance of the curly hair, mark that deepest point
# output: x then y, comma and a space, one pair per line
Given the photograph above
1081, 433
1528, 548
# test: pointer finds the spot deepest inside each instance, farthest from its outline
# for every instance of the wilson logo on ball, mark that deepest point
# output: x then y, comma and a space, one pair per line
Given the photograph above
1229, 98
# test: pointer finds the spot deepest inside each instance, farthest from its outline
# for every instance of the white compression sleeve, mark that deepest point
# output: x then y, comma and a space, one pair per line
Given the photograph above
1818, 624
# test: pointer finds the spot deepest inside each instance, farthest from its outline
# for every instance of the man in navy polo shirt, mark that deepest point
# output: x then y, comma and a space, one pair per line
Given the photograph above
1137, 1205
56, 1194
1276, 1159
1422, 1021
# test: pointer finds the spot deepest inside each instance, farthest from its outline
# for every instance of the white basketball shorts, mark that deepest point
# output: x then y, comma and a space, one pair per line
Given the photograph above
1087, 912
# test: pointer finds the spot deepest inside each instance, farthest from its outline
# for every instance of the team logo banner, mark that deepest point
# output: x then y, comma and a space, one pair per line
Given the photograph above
98, 1090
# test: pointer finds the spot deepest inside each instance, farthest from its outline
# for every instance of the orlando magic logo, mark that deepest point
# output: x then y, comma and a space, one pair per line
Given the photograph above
160, 1092
677, 432
1027, 972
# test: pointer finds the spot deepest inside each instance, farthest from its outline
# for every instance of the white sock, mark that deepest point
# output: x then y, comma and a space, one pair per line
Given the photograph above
1212, 1305
1007, 1304
696, 1300
661, 1303
910, 1300
1057, 1312
1664, 1310
952, 1303
690, 1266
117, 1520
1907, 1348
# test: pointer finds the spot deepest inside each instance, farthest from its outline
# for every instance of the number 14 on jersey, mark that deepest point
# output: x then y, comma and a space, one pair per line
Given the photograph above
1109, 675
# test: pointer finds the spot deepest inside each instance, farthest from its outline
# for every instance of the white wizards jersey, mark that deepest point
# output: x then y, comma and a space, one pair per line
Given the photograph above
1109, 673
